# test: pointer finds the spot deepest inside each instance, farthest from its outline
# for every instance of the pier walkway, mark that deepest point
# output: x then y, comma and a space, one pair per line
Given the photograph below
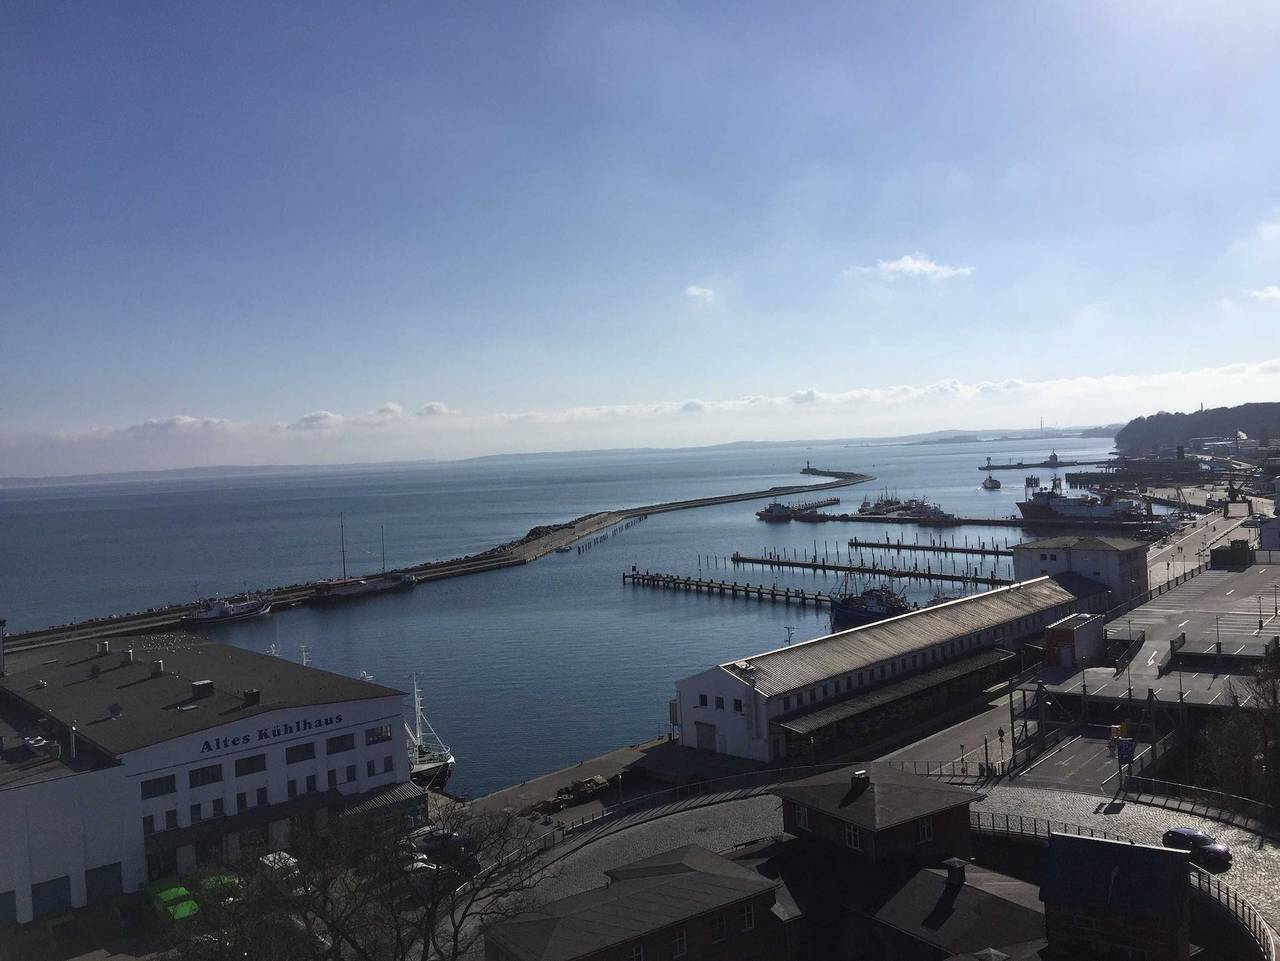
700, 585
873, 569
981, 550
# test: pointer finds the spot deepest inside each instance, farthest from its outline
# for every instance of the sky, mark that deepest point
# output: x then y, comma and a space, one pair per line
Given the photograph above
259, 233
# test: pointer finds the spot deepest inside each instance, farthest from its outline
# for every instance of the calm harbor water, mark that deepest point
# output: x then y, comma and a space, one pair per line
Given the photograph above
524, 670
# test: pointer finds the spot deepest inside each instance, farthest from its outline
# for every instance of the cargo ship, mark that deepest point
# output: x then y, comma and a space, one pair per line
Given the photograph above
850, 610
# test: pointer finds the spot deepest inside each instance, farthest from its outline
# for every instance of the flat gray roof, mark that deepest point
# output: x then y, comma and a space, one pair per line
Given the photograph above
1082, 542
73, 683
818, 660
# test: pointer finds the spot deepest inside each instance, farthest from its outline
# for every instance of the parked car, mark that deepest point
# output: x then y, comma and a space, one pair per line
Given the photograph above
1205, 849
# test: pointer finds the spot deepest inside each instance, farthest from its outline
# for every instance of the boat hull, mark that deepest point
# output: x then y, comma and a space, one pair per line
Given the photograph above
198, 621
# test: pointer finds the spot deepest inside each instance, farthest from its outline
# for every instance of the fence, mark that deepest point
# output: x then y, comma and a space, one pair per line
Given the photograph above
1233, 809
1220, 895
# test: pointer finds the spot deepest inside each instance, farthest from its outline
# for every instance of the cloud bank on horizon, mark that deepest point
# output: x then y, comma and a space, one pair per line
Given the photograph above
435, 430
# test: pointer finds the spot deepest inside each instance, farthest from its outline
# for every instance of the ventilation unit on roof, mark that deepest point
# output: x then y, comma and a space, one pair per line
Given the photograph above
104, 647
157, 668
115, 710
252, 697
201, 688
41, 685
127, 659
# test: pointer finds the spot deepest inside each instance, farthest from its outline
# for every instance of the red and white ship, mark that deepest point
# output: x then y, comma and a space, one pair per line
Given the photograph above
1050, 504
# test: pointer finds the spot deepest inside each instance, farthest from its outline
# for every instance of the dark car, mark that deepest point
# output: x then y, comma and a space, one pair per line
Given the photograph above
1204, 848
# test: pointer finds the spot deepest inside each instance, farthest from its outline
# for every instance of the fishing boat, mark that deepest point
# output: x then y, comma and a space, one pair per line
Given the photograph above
990, 484
220, 611
430, 760
775, 512
851, 609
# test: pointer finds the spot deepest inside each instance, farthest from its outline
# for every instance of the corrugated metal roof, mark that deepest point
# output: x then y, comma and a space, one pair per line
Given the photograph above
1082, 542
812, 662
860, 702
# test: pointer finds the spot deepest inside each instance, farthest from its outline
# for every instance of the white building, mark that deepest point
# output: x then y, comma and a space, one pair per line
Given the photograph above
769, 706
1118, 562
119, 766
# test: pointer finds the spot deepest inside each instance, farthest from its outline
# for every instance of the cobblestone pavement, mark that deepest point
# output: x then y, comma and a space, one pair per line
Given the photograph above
1255, 873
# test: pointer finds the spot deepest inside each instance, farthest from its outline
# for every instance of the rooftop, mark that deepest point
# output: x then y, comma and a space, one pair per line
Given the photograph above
1081, 542
812, 662
120, 704
987, 909
891, 797
641, 897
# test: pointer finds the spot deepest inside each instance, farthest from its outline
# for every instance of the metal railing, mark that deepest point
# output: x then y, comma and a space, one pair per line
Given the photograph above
1219, 806
1238, 909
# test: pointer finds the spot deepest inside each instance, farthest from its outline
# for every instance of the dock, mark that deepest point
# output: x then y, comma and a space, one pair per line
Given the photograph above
873, 569
701, 585
981, 550
984, 522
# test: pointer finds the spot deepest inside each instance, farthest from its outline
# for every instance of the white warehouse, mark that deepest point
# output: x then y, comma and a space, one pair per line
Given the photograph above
792, 701
1119, 563
118, 766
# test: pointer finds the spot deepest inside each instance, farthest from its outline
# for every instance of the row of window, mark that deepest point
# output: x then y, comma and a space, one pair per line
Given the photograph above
737, 703
262, 796
256, 763
745, 916
853, 835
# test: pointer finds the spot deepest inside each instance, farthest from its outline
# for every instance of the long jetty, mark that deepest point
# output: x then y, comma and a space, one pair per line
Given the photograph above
872, 569
700, 585
888, 546
537, 543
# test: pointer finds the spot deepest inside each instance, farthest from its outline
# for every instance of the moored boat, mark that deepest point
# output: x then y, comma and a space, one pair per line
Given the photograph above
220, 611
873, 604
430, 760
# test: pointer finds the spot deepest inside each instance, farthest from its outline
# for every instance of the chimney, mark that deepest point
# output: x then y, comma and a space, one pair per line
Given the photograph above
104, 647
201, 689
859, 781
127, 659
71, 741
252, 697
157, 668
955, 871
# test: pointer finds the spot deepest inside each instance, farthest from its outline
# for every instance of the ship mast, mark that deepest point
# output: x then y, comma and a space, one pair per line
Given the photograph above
383, 528
342, 537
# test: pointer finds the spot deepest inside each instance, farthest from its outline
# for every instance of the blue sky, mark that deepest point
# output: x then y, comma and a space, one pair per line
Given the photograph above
270, 233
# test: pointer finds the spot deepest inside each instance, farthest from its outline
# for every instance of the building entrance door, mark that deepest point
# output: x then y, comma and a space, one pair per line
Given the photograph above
705, 736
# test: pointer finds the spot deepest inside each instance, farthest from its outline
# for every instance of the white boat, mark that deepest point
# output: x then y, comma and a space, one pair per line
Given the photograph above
220, 610
430, 760
990, 484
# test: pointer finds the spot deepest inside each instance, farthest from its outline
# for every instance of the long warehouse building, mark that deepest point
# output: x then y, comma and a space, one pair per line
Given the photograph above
139, 758
838, 690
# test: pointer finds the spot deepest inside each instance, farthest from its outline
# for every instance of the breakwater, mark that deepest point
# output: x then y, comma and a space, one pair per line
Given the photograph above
537, 543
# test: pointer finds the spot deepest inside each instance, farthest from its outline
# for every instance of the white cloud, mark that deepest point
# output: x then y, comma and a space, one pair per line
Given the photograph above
317, 420
700, 295
434, 409
910, 266
1271, 292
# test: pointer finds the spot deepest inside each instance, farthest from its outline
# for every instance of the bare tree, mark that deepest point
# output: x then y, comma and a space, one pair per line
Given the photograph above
362, 891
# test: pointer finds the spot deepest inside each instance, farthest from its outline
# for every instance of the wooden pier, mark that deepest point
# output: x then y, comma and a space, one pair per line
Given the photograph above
981, 550
983, 522
699, 585
928, 574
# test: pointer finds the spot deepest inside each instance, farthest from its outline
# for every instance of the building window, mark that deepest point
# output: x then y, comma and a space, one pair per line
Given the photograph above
786, 703
242, 802
702, 700
719, 930
637, 953
824, 690
748, 915
293, 789
295, 753
262, 797
719, 703
679, 946
378, 735
149, 825
340, 744
802, 817
925, 829
219, 809
171, 819
196, 814
205, 775
848, 683
311, 783
370, 768
737, 705
812, 695
251, 765
388, 764
333, 778
351, 773
1044, 557
1053, 557
159, 786
853, 837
